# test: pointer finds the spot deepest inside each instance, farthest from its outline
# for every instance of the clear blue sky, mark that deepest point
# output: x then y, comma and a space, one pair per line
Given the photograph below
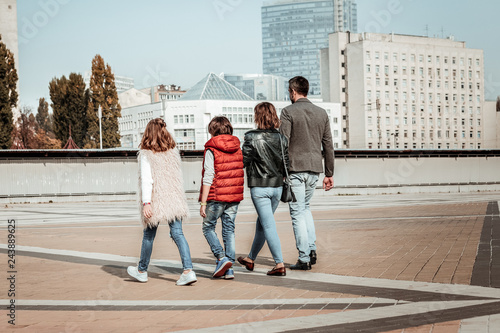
179, 42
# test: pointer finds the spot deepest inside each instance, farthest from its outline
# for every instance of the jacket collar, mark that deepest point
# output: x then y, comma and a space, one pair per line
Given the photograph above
302, 100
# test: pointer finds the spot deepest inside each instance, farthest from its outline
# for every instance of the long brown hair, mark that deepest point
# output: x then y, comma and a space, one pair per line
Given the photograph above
156, 137
266, 116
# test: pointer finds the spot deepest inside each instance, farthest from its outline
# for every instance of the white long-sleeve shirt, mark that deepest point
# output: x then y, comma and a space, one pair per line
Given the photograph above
208, 176
146, 179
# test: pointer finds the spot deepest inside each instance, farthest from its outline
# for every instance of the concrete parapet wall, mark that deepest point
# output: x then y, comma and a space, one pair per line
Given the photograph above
113, 176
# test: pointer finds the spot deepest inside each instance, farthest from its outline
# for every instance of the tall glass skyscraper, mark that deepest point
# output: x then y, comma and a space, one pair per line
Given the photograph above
293, 32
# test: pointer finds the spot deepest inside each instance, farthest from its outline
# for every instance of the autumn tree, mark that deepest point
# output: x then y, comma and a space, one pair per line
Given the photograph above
8, 95
28, 134
69, 105
26, 130
103, 94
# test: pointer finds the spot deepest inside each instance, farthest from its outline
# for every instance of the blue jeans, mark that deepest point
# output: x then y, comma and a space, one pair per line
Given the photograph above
179, 239
266, 200
226, 211
303, 185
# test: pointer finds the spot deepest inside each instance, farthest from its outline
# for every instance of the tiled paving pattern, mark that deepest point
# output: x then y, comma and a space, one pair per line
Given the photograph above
407, 263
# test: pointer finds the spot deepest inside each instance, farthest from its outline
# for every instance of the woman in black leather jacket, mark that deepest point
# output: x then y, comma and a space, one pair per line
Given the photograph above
263, 160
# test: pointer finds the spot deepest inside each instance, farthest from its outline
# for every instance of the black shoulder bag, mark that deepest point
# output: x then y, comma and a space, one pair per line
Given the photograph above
287, 195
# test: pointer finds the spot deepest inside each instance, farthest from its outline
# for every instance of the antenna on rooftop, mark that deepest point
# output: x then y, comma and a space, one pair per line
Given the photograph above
427, 30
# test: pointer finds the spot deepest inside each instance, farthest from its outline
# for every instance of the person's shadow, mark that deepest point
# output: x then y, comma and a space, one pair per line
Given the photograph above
154, 272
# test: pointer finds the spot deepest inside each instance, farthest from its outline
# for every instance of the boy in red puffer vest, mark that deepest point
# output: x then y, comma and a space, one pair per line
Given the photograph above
221, 192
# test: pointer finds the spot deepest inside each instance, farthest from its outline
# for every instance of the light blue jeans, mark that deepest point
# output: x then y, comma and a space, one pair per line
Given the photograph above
227, 213
303, 185
266, 200
179, 239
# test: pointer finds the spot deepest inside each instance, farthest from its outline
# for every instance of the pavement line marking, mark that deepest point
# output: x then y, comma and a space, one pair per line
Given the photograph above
480, 324
438, 288
28, 222
211, 302
339, 318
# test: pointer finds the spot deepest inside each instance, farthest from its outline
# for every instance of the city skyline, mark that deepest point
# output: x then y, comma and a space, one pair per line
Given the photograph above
154, 44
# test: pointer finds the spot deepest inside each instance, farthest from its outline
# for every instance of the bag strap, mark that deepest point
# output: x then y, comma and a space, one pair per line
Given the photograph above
283, 155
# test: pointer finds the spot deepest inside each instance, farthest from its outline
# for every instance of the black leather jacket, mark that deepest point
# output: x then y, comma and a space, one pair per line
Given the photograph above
263, 159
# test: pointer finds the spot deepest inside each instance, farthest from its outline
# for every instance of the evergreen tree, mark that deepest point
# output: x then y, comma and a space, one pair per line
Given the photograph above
69, 105
103, 94
498, 104
8, 95
42, 115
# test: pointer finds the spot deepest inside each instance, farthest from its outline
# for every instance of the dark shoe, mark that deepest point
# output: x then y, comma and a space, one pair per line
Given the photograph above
304, 266
313, 256
277, 271
248, 265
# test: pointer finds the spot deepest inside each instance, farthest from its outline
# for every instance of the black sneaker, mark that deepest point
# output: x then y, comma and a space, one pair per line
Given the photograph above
313, 257
304, 266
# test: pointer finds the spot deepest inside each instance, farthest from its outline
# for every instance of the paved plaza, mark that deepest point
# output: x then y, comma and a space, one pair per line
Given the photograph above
386, 263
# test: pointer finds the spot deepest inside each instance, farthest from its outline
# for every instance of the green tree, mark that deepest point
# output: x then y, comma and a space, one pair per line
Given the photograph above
103, 94
69, 105
8, 95
42, 115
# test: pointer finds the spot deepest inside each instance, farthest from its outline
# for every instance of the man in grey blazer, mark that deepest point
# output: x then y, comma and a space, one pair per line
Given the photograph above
307, 128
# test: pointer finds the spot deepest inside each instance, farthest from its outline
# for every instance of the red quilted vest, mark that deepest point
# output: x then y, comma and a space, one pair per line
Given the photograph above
228, 164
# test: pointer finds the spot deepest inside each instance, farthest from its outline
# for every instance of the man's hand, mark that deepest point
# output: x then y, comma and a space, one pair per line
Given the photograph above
203, 211
328, 183
147, 211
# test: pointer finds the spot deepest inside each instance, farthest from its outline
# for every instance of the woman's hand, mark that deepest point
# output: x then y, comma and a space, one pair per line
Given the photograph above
147, 211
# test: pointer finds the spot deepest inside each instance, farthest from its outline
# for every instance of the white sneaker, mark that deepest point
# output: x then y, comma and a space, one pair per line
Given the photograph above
134, 272
187, 279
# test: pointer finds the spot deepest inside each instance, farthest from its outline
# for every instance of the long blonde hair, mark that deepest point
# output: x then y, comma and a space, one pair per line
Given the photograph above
156, 137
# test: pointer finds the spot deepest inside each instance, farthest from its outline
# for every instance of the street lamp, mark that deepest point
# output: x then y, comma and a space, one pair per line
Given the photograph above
100, 126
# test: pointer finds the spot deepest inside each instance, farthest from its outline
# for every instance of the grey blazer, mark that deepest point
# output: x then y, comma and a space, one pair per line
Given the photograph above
308, 131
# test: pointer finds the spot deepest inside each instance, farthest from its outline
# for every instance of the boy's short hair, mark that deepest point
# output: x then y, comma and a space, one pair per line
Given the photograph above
299, 84
220, 125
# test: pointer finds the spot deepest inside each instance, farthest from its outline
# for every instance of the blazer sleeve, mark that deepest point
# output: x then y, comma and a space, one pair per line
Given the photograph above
329, 154
286, 123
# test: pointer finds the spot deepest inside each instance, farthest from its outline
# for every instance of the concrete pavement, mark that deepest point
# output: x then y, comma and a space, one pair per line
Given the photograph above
386, 263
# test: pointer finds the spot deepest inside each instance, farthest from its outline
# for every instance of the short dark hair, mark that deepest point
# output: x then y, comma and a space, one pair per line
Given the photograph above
220, 125
265, 116
299, 84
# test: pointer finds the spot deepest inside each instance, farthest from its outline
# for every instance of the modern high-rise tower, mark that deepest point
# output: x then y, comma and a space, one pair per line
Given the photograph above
294, 31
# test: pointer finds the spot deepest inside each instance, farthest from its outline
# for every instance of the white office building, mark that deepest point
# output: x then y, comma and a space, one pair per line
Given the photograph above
187, 118
405, 92
263, 87
122, 83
